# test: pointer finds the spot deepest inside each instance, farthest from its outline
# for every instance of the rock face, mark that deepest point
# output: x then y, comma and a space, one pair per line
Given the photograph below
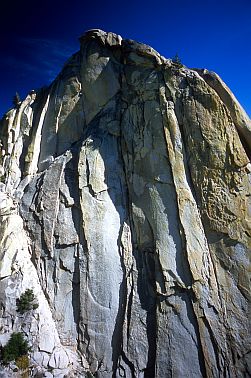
125, 205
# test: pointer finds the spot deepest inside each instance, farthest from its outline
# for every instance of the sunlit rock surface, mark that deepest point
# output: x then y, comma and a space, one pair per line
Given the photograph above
125, 205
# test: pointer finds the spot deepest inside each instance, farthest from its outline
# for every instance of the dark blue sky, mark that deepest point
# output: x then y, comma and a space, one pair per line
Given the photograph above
37, 37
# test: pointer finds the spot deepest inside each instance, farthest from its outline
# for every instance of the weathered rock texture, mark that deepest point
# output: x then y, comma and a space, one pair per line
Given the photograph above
125, 205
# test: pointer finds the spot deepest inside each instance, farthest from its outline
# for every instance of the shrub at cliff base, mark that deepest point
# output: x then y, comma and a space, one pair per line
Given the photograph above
16, 347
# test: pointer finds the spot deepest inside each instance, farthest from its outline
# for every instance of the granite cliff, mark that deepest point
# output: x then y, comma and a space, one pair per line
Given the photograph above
125, 206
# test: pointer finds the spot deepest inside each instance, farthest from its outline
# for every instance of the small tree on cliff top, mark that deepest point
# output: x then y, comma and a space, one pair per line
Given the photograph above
16, 99
177, 61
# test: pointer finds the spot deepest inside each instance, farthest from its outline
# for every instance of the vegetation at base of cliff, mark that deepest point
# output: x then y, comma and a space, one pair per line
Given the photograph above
16, 347
26, 302
89, 375
23, 362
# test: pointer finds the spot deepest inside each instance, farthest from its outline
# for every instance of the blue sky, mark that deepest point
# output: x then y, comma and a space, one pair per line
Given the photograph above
37, 37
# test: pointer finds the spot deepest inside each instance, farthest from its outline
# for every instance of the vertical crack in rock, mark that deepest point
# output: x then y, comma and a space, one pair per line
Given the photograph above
199, 270
193, 319
117, 337
145, 265
50, 202
125, 252
71, 181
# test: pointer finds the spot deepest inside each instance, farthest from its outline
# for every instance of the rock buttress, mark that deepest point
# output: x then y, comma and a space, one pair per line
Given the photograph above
124, 203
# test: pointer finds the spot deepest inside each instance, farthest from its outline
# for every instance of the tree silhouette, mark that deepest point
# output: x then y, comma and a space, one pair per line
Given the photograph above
16, 100
176, 60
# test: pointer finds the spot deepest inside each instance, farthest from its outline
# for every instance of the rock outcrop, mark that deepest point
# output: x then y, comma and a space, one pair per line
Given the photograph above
125, 205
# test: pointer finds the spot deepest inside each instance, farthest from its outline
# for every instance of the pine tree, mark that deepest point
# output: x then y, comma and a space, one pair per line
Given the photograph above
177, 61
26, 302
17, 346
16, 100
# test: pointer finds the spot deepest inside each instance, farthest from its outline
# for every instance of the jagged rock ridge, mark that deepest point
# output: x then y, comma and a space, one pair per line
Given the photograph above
125, 189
